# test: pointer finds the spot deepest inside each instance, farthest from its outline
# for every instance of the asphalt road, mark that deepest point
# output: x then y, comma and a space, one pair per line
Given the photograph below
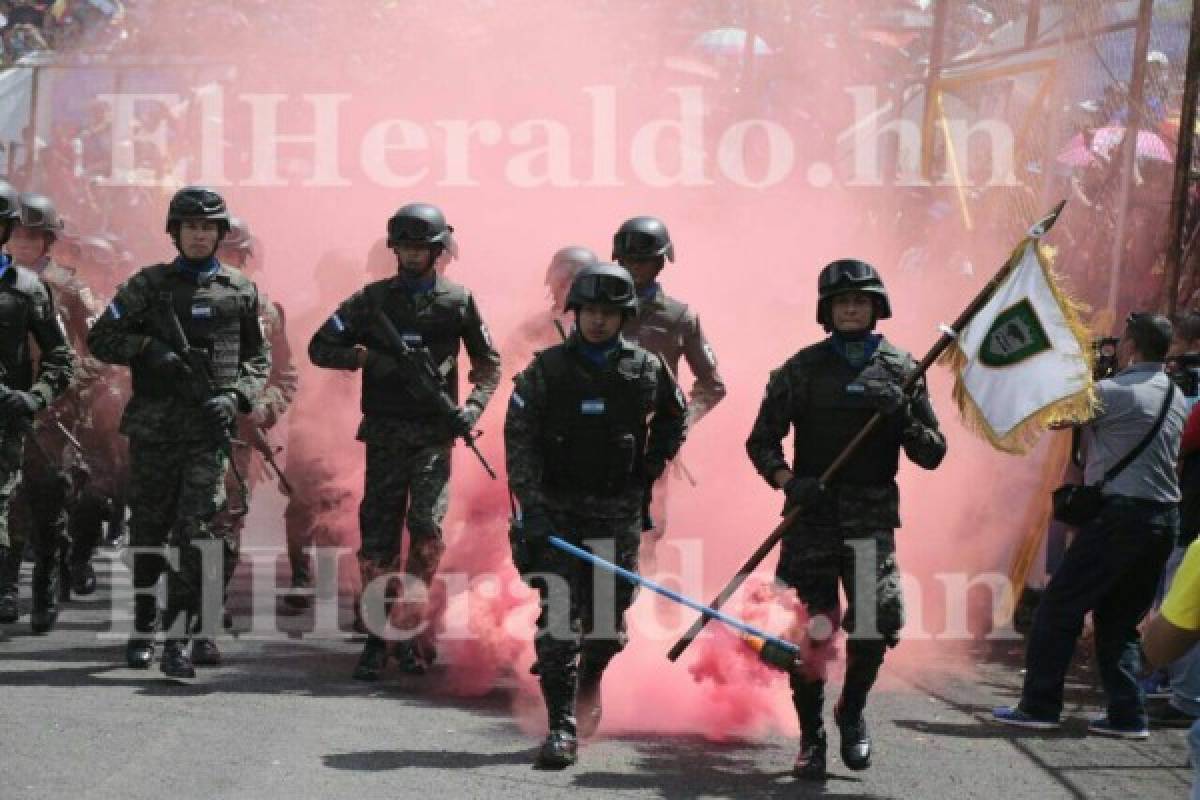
282, 719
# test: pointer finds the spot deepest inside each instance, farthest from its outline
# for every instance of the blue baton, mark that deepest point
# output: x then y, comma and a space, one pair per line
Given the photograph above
771, 649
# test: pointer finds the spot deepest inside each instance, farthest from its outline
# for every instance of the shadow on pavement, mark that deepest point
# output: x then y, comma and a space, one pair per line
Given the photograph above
678, 767
383, 760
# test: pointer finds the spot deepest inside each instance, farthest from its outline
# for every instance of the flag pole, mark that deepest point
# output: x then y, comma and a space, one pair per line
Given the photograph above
949, 335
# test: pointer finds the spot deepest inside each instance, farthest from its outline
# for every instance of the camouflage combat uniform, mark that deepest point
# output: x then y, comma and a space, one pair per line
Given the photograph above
27, 311
39, 510
818, 394
579, 448
671, 330
272, 405
177, 461
408, 438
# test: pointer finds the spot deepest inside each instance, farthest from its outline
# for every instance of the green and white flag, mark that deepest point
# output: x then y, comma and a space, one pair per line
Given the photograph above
1024, 360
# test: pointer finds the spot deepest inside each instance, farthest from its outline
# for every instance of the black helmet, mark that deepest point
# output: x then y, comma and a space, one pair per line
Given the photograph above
643, 237
10, 202
850, 275
607, 284
197, 202
419, 223
239, 238
37, 212
567, 262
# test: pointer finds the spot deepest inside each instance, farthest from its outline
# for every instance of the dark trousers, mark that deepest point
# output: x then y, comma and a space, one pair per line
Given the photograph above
1111, 569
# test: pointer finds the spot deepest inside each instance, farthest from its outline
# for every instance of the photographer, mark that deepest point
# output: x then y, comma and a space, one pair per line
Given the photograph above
1179, 681
1113, 566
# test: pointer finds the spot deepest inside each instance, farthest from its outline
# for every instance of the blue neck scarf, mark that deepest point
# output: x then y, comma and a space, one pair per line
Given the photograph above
411, 285
5, 264
198, 270
856, 348
597, 353
648, 292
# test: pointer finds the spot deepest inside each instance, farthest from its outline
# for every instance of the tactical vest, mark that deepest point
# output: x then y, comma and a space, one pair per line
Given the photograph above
661, 331
433, 322
827, 414
594, 436
211, 318
20, 301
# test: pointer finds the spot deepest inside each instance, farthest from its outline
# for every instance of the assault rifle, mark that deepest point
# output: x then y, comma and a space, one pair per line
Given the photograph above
200, 387
426, 381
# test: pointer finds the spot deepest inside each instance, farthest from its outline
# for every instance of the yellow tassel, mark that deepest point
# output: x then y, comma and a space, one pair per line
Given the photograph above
1078, 407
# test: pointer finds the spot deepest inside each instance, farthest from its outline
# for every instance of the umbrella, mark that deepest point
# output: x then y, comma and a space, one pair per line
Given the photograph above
1105, 142
729, 42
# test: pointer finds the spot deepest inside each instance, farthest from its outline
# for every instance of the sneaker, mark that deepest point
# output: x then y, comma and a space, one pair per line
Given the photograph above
1011, 715
1154, 687
1102, 727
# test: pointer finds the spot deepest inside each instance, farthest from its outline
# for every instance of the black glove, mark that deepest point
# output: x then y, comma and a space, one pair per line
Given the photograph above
536, 526
803, 492
882, 390
220, 410
163, 361
464, 419
16, 403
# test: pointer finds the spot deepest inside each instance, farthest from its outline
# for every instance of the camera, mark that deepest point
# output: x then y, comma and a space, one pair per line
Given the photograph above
1104, 357
1185, 371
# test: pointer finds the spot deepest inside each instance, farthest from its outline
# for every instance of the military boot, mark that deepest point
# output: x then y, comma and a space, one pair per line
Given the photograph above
9, 610
83, 578
300, 597
117, 531
45, 594
301, 579
856, 742
410, 659
175, 661
809, 699
561, 747
139, 650
589, 703
372, 661
205, 653
810, 762
64, 579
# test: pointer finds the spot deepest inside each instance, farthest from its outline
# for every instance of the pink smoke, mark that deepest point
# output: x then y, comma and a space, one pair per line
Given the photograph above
748, 260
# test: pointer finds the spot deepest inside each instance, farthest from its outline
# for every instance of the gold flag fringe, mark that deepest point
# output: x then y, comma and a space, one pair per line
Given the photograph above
1078, 407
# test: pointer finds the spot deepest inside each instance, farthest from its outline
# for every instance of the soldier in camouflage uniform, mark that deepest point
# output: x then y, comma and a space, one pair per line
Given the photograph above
409, 439
237, 249
179, 436
591, 424
38, 512
319, 502
827, 393
27, 312
99, 399
669, 329
539, 330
